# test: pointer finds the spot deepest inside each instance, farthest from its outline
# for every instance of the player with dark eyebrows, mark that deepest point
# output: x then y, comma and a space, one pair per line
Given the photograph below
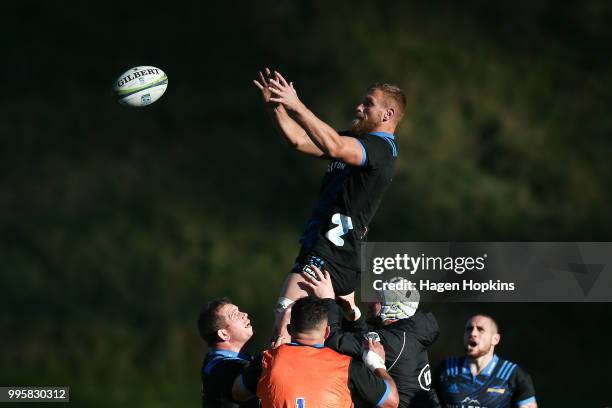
481, 378
226, 330
361, 166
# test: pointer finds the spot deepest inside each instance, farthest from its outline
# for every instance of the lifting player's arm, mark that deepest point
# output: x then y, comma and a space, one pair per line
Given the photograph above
371, 380
343, 148
245, 385
294, 134
392, 400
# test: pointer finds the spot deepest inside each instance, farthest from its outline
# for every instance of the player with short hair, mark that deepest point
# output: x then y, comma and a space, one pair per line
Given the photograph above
481, 378
305, 373
359, 172
226, 330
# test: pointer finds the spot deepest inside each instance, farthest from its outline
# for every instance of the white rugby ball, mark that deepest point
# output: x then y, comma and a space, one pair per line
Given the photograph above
140, 86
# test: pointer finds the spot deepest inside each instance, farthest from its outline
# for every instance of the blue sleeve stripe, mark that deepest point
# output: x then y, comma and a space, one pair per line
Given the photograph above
392, 144
501, 370
510, 370
500, 373
526, 401
211, 364
363, 152
452, 366
385, 395
503, 373
242, 384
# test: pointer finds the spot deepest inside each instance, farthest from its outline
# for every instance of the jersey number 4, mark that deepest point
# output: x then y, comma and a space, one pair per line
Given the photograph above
343, 225
300, 402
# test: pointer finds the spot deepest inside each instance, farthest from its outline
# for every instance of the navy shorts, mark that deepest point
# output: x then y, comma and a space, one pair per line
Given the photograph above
344, 280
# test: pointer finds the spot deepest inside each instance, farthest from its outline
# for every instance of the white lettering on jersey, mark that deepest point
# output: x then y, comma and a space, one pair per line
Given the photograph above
335, 165
425, 378
343, 225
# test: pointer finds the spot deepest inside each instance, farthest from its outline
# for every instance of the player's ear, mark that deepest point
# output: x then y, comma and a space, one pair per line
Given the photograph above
327, 332
223, 334
389, 114
496, 339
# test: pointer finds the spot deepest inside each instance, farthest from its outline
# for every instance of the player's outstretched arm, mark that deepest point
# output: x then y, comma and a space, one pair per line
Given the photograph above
293, 133
343, 148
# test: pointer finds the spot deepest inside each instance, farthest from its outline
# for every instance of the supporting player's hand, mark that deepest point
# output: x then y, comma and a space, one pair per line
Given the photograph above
374, 356
319, 286
284, 93
280, 340
376, 347
283, 333
264, 84
350, 310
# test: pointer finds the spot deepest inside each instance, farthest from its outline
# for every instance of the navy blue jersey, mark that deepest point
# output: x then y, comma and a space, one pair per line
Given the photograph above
219, 370
500, 384
348, 200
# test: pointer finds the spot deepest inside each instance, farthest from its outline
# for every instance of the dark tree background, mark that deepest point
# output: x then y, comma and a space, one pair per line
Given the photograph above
118, 223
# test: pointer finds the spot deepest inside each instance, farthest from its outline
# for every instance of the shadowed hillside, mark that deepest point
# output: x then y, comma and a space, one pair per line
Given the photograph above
118, 223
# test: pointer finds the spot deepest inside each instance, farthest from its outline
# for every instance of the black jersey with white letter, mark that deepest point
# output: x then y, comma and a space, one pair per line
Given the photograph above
348, 200
405, 341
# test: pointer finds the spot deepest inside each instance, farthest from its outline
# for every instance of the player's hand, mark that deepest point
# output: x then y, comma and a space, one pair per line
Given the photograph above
319, 286
376, 347
264, 84
374, 355
350, 310
280, 340
284, 93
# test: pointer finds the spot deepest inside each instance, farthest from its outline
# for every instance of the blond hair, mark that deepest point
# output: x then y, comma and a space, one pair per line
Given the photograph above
393, 96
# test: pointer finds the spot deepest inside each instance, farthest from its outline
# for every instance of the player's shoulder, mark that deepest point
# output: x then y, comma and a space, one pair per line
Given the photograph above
215, 366
379, 147
383, 139
329, 352
510, 371
450, 366
382, 142
293, 348
422, 326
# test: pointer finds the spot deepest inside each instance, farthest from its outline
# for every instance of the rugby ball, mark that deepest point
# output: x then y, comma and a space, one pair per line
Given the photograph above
140, 86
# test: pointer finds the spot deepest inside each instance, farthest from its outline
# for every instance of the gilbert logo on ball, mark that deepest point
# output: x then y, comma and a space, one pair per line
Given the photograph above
140, 86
